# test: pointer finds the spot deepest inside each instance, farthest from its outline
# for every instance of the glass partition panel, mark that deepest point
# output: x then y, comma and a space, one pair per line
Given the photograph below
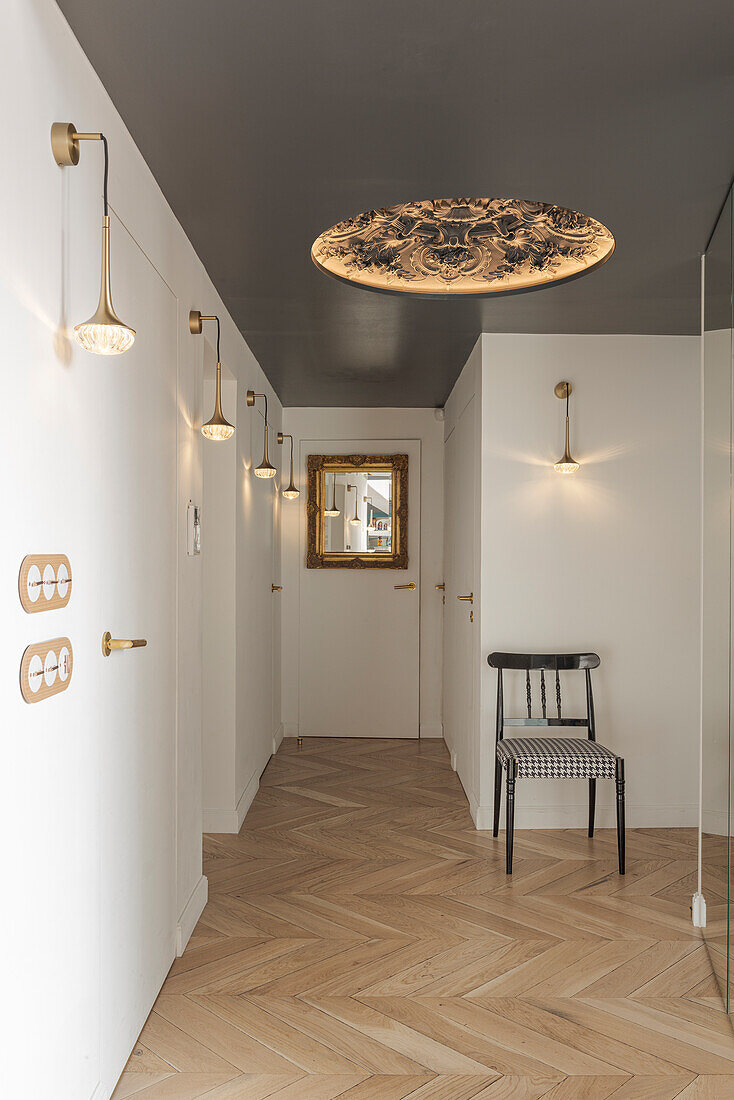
717, 598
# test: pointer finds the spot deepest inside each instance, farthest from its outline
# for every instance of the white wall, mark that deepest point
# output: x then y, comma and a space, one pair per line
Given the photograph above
365, 424
462, 668
257, 563
607, 559
219, 620
53, 778
717, 587
241, 723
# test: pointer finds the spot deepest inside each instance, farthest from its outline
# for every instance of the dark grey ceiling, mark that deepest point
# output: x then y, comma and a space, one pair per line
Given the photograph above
265, 122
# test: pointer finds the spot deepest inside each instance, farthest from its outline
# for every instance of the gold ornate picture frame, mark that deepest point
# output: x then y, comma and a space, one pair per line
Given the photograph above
318, 466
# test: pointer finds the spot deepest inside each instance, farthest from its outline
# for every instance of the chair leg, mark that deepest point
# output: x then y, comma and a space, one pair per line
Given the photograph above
592, 805
620, 814
497, 796
510, 810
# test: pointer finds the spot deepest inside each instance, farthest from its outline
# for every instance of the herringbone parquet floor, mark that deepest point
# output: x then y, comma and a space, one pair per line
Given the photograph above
362, 941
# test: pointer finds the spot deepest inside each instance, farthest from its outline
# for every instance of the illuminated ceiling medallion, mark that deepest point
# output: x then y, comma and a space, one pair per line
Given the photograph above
440, 248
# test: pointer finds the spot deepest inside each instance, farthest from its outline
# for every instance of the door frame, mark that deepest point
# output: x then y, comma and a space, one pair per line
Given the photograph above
340, 444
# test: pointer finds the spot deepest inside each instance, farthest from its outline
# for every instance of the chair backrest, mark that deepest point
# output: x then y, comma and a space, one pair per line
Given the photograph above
553, 662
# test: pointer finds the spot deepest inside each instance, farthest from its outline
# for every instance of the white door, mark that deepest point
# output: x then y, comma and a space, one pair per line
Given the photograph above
132, 576
459, 541
358, 645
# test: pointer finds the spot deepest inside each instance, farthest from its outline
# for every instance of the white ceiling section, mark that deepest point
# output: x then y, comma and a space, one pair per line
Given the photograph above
266, 123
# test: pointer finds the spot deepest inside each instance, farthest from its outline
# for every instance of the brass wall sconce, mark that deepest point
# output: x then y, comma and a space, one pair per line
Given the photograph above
104, 333
333, 511
291, 492
355, 521
264, 470
566, 464
218, 428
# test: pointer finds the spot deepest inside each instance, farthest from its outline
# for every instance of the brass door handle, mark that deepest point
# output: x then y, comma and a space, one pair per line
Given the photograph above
469, 598
440, 587
109, 643
276, 587
411, 586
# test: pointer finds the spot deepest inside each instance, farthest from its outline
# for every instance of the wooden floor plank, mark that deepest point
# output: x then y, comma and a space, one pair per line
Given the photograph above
362, 941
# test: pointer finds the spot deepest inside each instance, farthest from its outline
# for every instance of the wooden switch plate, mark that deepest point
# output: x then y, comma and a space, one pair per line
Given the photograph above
46, 669
44, 582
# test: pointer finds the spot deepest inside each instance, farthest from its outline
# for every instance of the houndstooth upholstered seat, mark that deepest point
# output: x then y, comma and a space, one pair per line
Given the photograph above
557, 758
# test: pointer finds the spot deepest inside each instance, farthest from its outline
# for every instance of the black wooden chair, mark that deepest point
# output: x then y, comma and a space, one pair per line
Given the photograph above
552, 757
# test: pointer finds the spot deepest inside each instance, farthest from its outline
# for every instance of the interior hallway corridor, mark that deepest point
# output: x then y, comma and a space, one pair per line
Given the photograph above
363, 941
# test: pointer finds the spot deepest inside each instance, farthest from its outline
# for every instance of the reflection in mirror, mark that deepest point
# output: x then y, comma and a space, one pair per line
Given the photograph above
361, 520
716, 823
357, 511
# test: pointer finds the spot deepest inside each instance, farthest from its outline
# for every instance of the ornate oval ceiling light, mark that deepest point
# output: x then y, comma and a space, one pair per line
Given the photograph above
439, 248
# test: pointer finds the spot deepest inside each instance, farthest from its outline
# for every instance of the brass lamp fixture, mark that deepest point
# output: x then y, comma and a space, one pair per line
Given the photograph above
104, 333
355, 521
566, 464
218, 428
264, 470
333, 511
291, 492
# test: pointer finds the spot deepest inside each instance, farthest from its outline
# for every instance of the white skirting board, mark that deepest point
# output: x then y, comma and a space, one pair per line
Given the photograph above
431, 729
192, 911
230, 821
577, 817
715, 821
428, 730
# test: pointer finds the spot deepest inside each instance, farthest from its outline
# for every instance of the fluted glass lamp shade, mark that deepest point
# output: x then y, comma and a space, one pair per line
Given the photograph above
333, 510
291, 493
218, 428
566, 465
104, 333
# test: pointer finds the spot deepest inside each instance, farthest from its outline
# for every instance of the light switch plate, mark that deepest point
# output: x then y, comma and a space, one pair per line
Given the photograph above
44, 582
193, 529
46, 669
